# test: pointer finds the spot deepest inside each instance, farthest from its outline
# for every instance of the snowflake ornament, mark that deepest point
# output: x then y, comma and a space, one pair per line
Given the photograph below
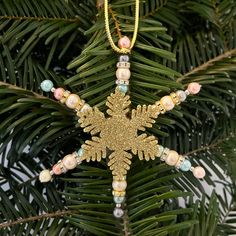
118, 133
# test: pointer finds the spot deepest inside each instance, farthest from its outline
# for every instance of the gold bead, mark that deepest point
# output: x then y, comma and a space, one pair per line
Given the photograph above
160, 107
118, 193
175, 98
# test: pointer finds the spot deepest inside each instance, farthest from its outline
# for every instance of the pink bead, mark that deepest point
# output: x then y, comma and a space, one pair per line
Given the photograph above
194, 88
124, 42
56, 169
199, 172
69, 161
58, 93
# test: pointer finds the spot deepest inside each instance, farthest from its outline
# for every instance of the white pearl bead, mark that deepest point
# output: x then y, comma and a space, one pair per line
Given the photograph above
181, 95
118, 212
167, 103
123, 74
69, 161
172, 158
119, 185
72, 101
199, 172
45, 176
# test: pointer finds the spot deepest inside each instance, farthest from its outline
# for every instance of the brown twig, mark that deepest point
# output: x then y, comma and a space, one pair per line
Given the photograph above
35, 218
36, 18
126, 224
117, 23
210, 146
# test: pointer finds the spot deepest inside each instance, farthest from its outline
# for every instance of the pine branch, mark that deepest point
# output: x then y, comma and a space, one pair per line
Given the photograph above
22, 89
154, 11
36, 218
207, 147
207, 64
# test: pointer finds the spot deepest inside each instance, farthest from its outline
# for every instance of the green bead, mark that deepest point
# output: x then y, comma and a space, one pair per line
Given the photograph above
46, 85
119, 200
80, 152
123, 88
185, 165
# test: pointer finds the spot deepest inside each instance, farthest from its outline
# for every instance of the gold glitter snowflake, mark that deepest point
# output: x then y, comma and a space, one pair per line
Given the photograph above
119, 133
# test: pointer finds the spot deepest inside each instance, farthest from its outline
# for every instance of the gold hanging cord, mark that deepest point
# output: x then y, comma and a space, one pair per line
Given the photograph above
136, 22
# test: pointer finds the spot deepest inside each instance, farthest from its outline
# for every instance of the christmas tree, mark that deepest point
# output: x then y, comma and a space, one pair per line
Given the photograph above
178, 42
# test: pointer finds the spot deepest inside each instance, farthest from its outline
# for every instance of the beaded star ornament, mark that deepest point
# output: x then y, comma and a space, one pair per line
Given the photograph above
118, 131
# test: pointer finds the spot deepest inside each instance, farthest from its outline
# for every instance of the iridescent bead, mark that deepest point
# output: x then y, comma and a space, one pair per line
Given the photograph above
120, 82
85, 107
69, 161
58, 93
160, 150
124, 42
46, 85
118, 212
180, 161
123, 58
123, 74
123, 65
172, 158
164, 154
118, 200
185, 165
80, 152
194, 88
72, 101
167, 103
199, 172
45, 176
119, 185
123, 88
181, 95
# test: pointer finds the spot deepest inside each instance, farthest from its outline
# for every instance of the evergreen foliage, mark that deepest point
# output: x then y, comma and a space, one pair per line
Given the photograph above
65, 41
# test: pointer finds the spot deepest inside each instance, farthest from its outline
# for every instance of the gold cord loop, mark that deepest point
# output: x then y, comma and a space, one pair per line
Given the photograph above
136, 22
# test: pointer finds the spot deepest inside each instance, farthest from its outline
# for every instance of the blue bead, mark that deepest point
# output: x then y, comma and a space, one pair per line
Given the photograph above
123, 88
119, 200
80, 152
185, 165
46, 85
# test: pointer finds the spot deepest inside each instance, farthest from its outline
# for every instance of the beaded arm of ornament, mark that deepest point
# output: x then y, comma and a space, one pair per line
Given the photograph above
144, 116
